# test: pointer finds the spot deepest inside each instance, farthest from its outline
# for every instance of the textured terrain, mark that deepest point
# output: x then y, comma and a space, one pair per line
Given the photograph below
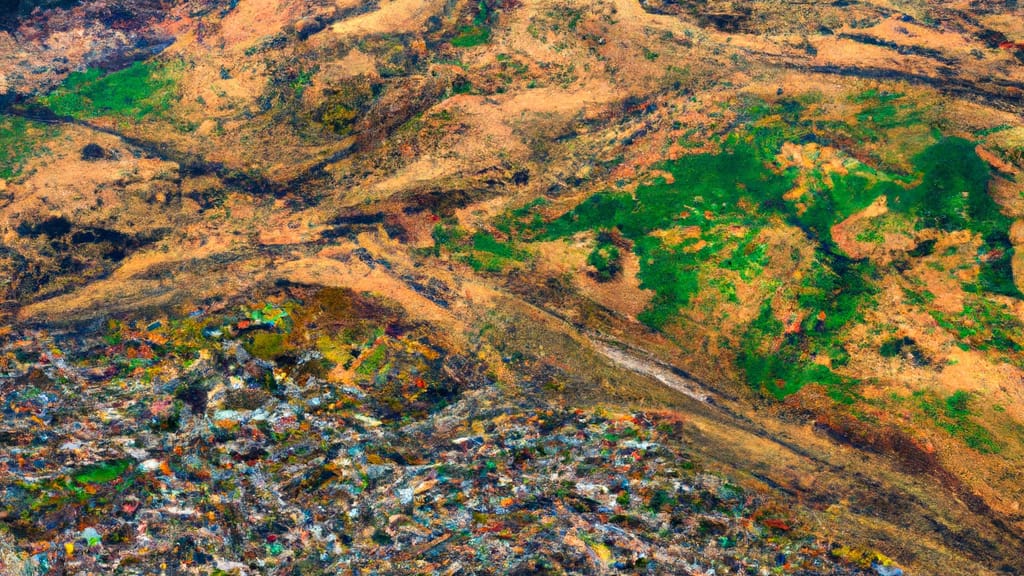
512, 286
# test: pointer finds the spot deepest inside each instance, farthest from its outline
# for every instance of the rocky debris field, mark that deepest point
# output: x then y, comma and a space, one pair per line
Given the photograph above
170, 448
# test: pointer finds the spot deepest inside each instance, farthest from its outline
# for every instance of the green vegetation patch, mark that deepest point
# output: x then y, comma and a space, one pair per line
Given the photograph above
884, 110
748, 259
374, 361
783, 368
922, 298
101, 472
954, 415
710, 192
479, 32
266, 345
707, 188
953, 193
524, 220
995, 258
895, 122
836, 290
848, 194
780, 359
566, 16
480, 250
605, 258
470, 36
674, 275
144, 89
484, 242
712, 196
20, 139
687, 230
984, 325
714, 192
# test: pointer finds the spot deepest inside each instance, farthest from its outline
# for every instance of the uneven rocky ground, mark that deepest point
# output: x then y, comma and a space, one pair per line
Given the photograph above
410, 286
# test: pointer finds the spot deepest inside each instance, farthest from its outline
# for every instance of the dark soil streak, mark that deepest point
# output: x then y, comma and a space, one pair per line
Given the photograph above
1011, 99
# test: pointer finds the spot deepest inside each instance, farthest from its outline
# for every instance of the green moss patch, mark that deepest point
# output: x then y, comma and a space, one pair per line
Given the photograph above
780, 368
266, 345
470, 36
142, 90
480, 250
101, 472
373, 361
953, 193
20, 139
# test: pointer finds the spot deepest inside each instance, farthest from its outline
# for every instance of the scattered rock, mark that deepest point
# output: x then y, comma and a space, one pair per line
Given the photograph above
93, 151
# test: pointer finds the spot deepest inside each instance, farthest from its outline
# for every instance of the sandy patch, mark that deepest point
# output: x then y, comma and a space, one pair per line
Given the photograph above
622, 294
392, 17
845, 235
253, 20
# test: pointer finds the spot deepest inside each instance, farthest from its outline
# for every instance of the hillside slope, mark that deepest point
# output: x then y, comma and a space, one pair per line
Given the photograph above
352, 285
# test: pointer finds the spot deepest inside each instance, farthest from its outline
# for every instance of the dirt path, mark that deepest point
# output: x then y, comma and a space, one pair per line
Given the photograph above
653, 369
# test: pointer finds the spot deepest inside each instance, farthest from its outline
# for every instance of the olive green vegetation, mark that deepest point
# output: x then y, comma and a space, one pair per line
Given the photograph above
141, 90
477, 33
710, 191
984, 325
922, 298
510, 69
20, 139
871, 235
448, 237
266, 345
333, 319
953, 195
302, 81
470, 36
344, 105
953, 414
521, 221
881, 112
374, 361
832, 295
481, 250
748, 259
